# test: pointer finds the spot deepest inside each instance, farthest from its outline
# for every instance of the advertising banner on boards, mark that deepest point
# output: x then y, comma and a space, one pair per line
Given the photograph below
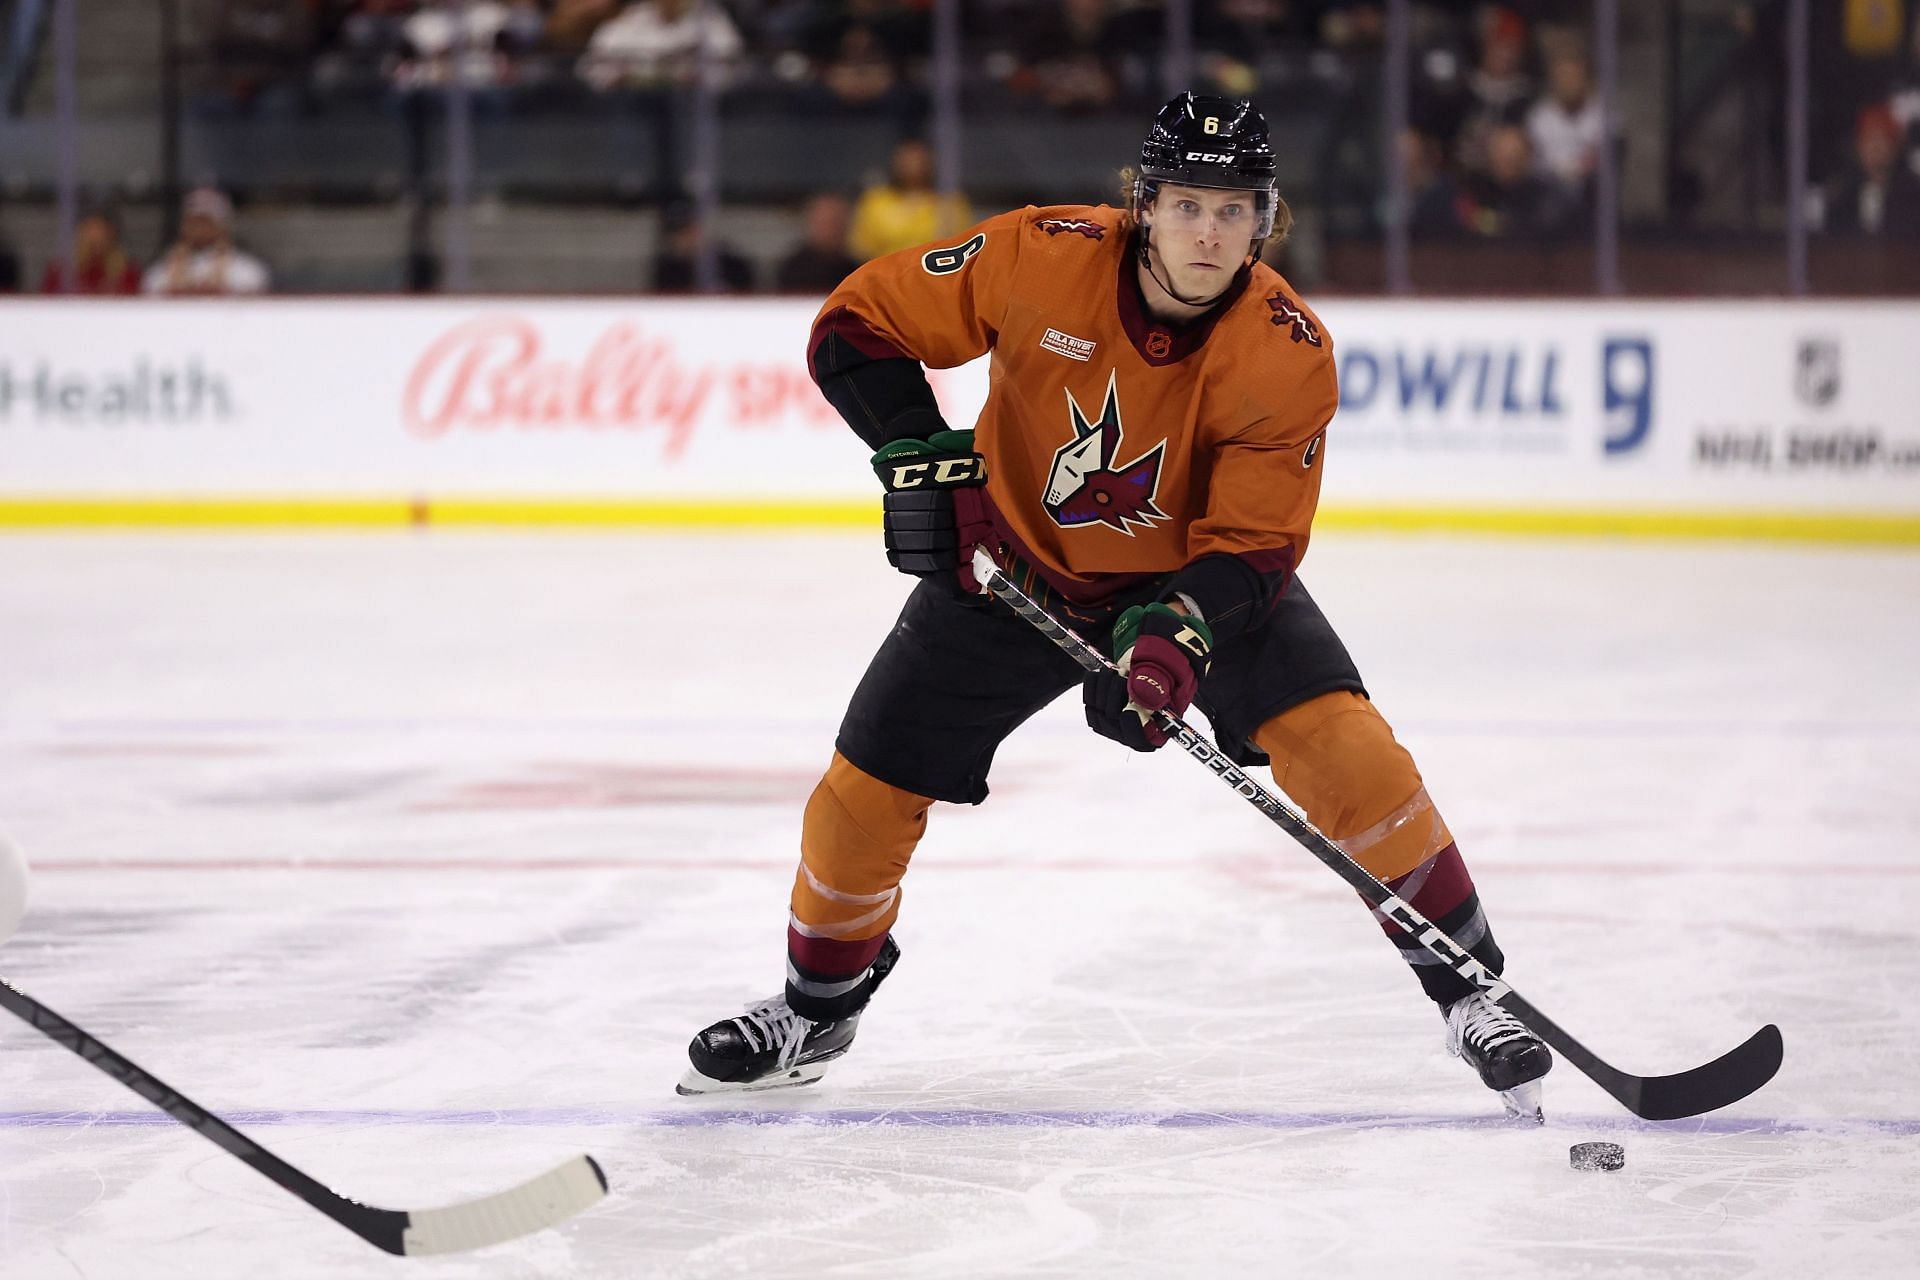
1809, 404
1767, 405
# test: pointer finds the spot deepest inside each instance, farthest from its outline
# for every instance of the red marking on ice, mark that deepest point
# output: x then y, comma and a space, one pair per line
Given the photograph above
607, 786
133, 750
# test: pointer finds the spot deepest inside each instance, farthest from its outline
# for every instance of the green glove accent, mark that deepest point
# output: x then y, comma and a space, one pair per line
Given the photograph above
1127, 629
938, 442
952, 441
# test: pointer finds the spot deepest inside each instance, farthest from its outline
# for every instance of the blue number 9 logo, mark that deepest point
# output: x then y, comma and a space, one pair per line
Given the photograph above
1626, 390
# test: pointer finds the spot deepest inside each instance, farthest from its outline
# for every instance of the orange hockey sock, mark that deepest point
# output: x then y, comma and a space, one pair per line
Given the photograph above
1337, 759
855, 841
1335, 756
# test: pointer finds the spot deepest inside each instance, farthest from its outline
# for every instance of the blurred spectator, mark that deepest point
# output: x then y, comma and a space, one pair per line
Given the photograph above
1565, 126
1871, 28
676, 267
204, 260
257, 45
1432, 196
571, 23
1510, 199
1499, 87
905, 210
1234, 38
104, 267
1356, 26
482, 37
905, 27
860, 73
821, 260
657, 44
1904, 100
363, 46
816, 30
1079, 55
1879, 194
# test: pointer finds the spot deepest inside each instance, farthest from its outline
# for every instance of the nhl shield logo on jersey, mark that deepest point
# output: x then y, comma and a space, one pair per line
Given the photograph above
1078, 226
1285, 313
1085, 487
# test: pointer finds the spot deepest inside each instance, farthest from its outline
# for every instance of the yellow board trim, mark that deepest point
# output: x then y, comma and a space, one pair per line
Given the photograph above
103, 513
1866, 527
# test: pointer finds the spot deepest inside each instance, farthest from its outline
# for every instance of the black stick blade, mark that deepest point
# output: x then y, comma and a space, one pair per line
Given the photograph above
1720, 1083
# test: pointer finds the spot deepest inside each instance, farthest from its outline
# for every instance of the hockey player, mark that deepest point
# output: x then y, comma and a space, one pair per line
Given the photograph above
1147, 465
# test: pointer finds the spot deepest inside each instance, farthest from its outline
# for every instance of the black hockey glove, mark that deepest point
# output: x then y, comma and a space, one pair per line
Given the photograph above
935, 509
1162, 656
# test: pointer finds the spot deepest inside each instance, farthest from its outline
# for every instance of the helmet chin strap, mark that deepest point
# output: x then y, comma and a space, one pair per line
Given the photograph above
1146, 260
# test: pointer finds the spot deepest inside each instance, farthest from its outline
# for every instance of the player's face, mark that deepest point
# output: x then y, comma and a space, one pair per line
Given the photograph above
1201, 236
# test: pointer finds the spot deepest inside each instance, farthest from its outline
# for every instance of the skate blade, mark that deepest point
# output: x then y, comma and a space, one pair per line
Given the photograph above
1523, 1103
693, 1084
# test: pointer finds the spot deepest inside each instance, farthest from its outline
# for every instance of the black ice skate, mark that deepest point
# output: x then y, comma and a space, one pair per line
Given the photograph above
1509, 1058
772, 1047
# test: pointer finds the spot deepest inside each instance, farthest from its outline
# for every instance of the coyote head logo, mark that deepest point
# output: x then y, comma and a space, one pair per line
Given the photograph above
1086, 487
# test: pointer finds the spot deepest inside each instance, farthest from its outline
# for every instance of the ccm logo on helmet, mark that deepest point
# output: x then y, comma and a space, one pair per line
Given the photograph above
1210, 157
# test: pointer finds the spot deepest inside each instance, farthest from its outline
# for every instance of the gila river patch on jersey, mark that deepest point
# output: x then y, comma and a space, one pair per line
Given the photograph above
1065, 344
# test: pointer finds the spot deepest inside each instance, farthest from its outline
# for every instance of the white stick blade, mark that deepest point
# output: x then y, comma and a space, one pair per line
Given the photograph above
548, 1200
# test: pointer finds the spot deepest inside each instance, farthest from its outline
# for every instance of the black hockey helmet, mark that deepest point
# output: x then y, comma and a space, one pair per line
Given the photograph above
1204, 140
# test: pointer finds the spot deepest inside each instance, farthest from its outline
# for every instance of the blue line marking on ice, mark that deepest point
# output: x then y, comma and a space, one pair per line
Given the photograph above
694, 1115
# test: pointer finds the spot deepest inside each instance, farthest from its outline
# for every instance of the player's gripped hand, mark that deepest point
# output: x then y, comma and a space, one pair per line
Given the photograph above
1162, 655
934, 509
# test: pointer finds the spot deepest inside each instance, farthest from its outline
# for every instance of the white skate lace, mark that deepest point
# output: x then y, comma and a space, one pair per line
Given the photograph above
1483, 1022
770, 1024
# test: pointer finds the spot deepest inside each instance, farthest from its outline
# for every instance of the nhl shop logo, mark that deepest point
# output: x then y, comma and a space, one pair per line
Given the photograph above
1816, 372
1086, 487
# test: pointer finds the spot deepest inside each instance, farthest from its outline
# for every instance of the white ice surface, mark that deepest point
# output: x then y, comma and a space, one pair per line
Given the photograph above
420, 858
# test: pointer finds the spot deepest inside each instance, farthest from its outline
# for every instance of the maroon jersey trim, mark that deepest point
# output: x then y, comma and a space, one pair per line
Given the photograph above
842, 323
1159, 343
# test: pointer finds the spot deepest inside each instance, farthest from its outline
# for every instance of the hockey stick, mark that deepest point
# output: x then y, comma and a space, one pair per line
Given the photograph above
1719, 1083
532, 1206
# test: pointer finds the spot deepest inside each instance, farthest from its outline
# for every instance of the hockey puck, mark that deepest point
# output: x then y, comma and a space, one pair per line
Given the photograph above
1597, 1155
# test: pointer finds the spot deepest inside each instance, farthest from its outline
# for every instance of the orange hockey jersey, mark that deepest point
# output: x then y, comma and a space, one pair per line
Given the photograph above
1117, 447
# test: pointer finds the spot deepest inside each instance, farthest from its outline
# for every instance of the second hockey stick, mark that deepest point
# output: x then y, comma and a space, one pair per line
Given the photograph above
1722, 1082
532, 1206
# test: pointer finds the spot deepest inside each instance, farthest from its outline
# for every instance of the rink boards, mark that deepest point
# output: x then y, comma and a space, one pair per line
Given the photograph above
1755, 419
